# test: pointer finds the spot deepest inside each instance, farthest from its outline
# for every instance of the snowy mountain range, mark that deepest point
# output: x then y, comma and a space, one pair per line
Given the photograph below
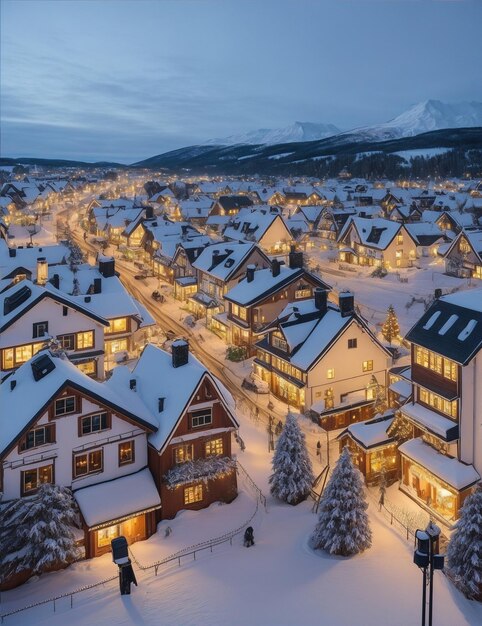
299, 131
420, 118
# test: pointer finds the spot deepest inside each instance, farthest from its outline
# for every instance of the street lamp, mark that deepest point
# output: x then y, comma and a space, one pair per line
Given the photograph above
426, 556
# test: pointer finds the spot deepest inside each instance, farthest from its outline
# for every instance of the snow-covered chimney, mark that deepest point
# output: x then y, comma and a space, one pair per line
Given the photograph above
250, 270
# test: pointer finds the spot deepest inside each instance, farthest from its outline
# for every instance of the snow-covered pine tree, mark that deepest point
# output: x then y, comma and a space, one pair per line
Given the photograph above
292, 475
464, 552
391, 327
37, 532
343, 526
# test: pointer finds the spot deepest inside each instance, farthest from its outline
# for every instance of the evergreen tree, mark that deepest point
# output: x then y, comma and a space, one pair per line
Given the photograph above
465, 547
391, 328
292, 475
37, 532
343, 526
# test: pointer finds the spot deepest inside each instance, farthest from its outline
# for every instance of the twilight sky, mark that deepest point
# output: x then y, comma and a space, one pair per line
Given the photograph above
124, 80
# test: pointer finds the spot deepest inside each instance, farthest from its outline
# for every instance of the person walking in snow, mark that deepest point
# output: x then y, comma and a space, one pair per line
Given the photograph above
249, 537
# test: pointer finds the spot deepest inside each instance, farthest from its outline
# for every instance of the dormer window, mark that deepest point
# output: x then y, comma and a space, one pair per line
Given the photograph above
278, 341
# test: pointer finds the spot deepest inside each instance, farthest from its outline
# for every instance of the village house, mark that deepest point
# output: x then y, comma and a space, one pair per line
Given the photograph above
263, 226
229, 206
260, 297
441, 459
377, 243
463, 258
219, 267
324, 358
135, 449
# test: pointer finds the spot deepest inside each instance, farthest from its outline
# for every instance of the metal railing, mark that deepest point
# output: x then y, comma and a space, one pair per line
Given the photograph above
177, 556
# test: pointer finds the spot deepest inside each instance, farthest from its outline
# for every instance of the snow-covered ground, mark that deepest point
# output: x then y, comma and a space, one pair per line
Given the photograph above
279, 581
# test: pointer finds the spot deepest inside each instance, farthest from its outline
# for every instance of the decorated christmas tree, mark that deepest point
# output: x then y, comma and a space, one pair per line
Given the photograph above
465, 547
391, 327
343, 526
292, 475
36, 533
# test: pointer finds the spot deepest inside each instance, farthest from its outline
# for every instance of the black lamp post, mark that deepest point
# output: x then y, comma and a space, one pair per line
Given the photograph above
426, 557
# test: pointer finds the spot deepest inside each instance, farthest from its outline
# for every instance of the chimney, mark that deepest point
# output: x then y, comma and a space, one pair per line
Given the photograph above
180, 353
132, 384
250, 270
295, 259
55, 281
438, 294
160, 405
12, 252
321, 299
107, 266
346, 302
149, 212
87, 298
216, 254
13, 384
97, 285
275, 267
42, 271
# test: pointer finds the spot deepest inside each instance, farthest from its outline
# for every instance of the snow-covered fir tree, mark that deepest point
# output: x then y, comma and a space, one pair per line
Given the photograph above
464, 552
36, 533
343, 526
292, 475
391, 327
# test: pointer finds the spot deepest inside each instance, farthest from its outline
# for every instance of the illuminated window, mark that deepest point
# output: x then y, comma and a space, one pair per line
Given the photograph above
330, 373
117, 326
193, 494
436, 363
277, 341
214, 447
85, 340
183, 454
88, 367
304, 292
64, 406
105, 535
94, 423
329, 398
437, 402
126, 452
400, 240
464, 246
367, 366
88, 463
202, 418
32, 478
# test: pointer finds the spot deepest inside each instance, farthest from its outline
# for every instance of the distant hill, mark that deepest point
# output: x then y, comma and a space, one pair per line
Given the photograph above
57, 163
299, 131
280, 158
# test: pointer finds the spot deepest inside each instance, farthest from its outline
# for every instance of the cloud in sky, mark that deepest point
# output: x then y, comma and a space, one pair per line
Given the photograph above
125, 80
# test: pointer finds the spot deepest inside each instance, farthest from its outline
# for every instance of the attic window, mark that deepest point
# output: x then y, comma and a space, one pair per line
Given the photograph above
229, 263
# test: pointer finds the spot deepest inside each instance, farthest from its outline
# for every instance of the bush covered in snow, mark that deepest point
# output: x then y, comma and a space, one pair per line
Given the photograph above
343, 526
236, 353
465, 547
292, 476
36, 533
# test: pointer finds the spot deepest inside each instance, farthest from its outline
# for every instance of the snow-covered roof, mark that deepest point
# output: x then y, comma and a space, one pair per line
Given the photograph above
252, 224
264, 283
30, 397
223, 259
432, 421
157, 378
452, 471
452, 326
28, 294
373, 432
373, 233
119, 498
27, 257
